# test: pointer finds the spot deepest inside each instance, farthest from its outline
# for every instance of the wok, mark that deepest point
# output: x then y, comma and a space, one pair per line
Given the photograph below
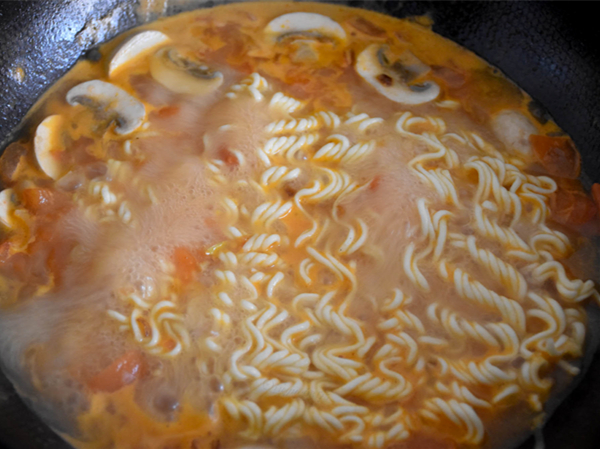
549, 49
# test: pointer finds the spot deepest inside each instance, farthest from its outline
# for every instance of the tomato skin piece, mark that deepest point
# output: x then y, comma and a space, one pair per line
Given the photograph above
557, 155
122, 372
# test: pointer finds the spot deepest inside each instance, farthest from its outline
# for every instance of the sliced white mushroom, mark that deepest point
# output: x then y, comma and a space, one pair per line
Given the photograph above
305, 24
48, 146
513, 129
393, 79
183, 75
135, 46
7, 207
110, 101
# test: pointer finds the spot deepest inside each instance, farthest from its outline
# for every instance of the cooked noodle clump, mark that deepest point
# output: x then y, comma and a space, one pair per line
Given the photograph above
251, 262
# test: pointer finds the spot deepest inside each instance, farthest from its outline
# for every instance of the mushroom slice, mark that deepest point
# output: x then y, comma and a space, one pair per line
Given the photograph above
305, 24
513, 129
7, 207
134, 46
182, 75
109, 99
48, 146
396, 80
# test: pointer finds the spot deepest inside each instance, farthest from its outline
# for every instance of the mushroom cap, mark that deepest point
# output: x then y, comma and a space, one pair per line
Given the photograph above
304, 22
386, 82
48, 145
7, 206
133, 47
513, 129
127, 110
182, 76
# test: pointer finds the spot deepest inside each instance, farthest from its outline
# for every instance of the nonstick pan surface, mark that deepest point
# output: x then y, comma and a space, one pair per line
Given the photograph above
550, 49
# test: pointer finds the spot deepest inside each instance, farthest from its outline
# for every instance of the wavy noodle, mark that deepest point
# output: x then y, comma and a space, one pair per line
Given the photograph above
473, 290
362, 121
278, 174
255, 85
505, 273
339, 149
159, 330
283, 102
570, 289
289, 147
461, 415
312, 122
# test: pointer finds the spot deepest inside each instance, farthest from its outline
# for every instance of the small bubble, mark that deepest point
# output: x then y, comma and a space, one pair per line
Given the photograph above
166, 403
215, 385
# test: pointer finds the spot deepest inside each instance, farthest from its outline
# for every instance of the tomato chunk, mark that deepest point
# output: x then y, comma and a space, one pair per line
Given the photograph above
374, 185
558, 155
122, 372
185, 263
38, 199
452, 77
228, 157
168, 111
596, 194
572, 207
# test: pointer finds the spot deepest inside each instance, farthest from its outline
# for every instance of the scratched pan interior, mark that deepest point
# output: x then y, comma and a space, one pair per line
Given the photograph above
549, 49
